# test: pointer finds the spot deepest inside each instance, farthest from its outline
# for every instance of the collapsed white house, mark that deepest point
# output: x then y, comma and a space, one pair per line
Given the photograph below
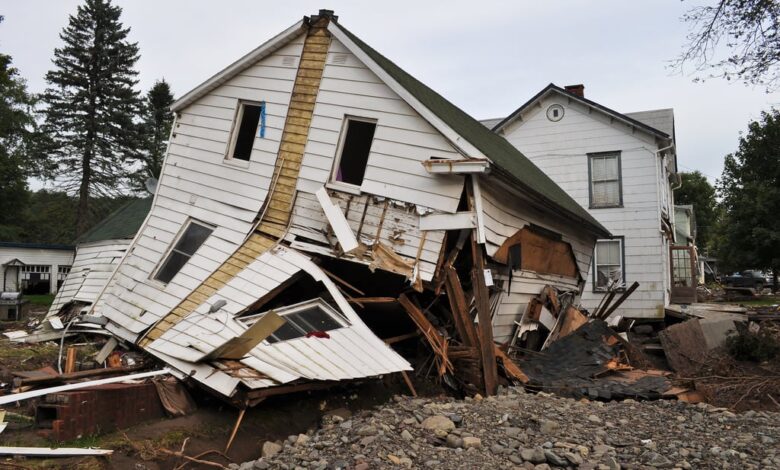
313, 187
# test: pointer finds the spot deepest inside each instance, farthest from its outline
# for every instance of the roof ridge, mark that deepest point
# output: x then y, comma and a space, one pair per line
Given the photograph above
500, 152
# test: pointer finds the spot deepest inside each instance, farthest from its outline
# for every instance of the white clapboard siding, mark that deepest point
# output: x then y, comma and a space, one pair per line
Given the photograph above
503, 218
401, 142
560, 149
92, 267
351, 352
198, 183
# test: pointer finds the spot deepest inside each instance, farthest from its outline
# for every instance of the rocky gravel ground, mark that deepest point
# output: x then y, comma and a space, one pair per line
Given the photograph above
519, 430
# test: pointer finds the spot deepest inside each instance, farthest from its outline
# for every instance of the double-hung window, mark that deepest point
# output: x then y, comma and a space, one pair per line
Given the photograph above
605, 184
608, 264
183, 248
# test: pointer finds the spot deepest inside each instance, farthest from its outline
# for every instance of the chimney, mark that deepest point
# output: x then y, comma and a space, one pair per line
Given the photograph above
578, 90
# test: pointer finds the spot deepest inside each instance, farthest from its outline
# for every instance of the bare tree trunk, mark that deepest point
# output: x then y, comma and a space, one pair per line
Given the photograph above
82, 212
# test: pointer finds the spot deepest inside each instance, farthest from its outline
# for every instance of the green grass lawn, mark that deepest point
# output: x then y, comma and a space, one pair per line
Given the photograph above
44, 300
761, 302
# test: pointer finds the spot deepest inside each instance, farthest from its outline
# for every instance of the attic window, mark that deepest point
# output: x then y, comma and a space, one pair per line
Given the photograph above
184, 247
555, 112
302, 319
244, 130
352, 154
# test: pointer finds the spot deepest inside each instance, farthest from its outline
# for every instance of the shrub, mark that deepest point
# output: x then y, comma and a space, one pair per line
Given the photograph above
748, 346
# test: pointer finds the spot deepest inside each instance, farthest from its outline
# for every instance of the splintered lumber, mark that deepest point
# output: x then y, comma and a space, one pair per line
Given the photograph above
459, 307
435, 339
620, 300
604, 304
510, 367
482, 299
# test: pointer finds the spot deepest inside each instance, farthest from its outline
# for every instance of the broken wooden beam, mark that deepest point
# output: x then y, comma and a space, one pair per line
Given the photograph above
620, 300
435, 339
459, 308
399, 338
485, 326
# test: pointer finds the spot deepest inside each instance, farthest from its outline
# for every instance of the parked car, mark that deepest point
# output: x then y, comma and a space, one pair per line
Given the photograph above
749, 278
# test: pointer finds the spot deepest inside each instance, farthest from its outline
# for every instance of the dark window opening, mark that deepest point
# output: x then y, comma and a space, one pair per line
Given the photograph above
188, 243
354, 152
248, 120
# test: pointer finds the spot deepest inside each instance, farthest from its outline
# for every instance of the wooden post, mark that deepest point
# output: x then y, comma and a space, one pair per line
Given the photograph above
482, 300
409, 383
485, 328
70, 360
235, 429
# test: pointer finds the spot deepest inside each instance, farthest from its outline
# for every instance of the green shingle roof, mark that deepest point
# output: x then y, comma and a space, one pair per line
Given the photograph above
501, 153
122, 223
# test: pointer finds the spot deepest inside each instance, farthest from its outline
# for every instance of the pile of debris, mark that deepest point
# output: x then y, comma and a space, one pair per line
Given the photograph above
520, 430
86, 382
727, 354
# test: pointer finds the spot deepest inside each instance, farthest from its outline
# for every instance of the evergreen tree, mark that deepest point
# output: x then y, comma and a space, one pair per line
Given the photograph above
749, 235
156, 128
17, 138
91, 102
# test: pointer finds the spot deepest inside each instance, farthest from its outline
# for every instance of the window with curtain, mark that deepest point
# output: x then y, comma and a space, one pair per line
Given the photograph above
605, 185
608, 264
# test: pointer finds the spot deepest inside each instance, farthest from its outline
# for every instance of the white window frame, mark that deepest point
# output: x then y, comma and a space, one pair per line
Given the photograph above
591, 157
171, 249
340, 185
237, 119
622, 244
292, 309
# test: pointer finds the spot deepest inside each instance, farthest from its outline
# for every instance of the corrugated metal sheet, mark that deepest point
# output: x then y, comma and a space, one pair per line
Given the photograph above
351, 352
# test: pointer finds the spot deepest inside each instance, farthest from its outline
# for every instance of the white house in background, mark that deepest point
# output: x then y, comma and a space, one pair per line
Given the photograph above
622, 168
34, 268
311, 156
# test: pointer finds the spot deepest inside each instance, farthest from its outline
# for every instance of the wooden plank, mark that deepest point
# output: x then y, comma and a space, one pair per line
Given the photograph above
456, 221
70, 360
338, 222
459, 308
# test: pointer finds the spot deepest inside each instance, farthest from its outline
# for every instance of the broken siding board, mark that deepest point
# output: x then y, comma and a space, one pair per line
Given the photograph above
502, 221
399, 226
457, 221
89, 272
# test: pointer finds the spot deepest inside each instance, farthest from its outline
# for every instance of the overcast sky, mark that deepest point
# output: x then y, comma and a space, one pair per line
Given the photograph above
487, 57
